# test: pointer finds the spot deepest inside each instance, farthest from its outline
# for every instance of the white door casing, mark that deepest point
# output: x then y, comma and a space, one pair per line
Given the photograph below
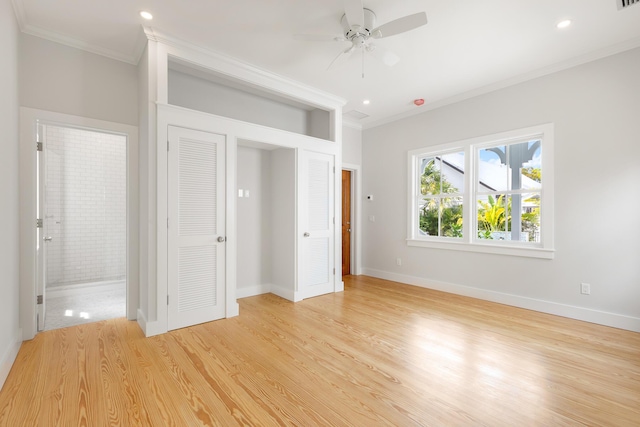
42, 235
316, 223
196, 227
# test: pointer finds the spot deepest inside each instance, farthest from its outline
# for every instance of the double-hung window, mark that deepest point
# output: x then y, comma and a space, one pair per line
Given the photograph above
491, 194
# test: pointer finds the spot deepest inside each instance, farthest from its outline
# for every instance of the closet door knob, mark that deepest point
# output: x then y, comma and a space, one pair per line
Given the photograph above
221, 239
306, 234
47, 239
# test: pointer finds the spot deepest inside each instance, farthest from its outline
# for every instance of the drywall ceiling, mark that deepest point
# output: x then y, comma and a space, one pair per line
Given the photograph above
468, 47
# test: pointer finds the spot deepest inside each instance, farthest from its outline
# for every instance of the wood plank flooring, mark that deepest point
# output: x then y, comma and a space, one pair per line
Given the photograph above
378, 354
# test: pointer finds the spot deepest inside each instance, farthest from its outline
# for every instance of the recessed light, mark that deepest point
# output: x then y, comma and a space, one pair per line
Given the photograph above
146, 15
563, 24
366, 102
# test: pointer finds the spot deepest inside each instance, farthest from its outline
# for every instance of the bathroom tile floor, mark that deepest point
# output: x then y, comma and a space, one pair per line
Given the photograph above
79, 304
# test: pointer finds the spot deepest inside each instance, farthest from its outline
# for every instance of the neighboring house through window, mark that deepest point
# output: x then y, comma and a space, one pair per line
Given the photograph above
503, 205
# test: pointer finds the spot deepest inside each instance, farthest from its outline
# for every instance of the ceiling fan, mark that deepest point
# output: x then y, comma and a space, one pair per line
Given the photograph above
359, 28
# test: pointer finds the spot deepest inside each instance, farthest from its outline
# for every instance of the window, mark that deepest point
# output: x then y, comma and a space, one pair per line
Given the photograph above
440, 195
491, 194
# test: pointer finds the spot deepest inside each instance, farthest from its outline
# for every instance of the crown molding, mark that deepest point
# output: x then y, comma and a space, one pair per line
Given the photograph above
71, 42
21, 15
541, 72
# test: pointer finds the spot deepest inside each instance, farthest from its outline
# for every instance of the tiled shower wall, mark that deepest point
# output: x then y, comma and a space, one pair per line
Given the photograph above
86, 184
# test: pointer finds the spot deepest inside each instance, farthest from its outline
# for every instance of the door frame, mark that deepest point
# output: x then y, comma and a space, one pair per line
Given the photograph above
356, 209
29, 118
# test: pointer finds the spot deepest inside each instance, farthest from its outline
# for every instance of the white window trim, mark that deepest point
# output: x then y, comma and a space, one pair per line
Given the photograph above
470, 242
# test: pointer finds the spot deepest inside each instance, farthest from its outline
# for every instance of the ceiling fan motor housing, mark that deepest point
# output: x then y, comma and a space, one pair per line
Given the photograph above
351, 33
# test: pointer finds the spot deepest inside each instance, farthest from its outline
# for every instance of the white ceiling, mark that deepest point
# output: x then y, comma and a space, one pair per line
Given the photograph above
468, 47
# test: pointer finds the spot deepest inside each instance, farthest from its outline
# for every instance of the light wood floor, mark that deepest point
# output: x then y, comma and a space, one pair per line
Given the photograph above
379, 354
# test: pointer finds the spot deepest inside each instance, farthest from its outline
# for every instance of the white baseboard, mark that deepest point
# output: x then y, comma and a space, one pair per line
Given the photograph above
85, 289
142, 321
252, 291
579, 313
288, 294
150, 328
9, 357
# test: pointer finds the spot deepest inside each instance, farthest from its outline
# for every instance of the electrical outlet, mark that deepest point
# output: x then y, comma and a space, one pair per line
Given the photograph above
399, 261
585, 289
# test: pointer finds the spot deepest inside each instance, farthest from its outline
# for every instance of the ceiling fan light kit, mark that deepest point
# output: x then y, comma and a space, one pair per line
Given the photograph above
359, 29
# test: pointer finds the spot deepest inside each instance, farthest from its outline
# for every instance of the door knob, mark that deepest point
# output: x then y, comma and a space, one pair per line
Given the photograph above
47, 238
221, 239
306, 234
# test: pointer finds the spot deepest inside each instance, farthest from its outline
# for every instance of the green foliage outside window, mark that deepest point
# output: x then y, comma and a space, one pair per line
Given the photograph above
493, 213
442, 216
447, 209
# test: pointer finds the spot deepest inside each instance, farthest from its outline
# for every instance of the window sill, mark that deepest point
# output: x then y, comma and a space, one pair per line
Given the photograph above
528, 252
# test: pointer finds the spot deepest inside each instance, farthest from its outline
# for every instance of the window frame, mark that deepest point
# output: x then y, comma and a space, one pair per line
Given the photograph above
416, 194
470, 242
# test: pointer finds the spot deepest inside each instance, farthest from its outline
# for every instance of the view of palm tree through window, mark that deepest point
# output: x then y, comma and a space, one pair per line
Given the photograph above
507, 192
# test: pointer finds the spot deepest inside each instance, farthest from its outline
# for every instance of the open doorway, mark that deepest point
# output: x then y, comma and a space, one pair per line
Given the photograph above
351, 208
82, 241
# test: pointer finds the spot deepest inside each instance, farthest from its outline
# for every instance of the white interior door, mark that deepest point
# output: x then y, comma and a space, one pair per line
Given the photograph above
317, 223
196, 234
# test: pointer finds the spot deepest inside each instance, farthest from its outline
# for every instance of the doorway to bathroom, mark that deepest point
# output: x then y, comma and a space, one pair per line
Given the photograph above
82, 235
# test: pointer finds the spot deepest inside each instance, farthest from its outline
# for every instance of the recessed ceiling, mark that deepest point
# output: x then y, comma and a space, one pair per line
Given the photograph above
468, 47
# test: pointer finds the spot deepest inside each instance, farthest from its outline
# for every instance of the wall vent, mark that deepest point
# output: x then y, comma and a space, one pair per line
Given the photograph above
358, 115
622, 4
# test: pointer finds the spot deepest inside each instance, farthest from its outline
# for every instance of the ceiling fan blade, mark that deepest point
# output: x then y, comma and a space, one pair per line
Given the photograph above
386, 56
342, 57
400, 25
318, 38
354, 11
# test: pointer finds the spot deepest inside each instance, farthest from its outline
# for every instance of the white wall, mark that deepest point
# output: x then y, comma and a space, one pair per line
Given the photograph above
199, 94
254, 221
146, 134
351, 145
283, 220
10, 335
595, 108
59, 78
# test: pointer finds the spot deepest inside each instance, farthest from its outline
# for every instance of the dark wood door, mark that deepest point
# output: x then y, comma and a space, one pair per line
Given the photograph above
346, 222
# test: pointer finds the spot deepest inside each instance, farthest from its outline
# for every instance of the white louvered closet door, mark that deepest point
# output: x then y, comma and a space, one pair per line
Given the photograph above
317, 201
196, 206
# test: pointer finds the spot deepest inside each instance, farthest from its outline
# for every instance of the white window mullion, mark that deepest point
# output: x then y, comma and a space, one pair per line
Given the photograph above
469, 216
